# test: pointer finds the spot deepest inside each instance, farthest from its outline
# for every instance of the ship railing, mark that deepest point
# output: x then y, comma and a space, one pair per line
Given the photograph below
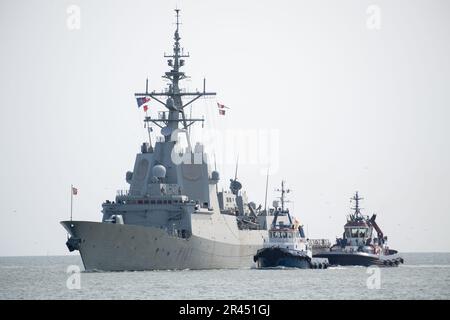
319, 242
287, 239
123, 193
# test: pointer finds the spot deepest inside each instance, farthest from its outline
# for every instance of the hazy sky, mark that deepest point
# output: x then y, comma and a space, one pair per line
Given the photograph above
355, 107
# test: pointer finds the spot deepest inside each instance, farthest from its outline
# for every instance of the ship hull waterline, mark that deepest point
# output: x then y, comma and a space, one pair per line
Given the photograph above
361, 259
279, 257
121, 247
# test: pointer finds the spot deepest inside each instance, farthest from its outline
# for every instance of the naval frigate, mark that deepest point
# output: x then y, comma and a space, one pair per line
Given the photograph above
172, 216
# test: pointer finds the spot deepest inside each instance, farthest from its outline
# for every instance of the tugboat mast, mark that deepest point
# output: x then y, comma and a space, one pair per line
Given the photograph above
356, 199
283, 194
174, 103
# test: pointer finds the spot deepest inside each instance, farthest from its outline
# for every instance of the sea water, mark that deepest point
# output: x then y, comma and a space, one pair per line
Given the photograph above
423, 276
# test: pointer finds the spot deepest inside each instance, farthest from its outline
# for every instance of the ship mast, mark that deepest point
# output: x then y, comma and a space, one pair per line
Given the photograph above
356, 199
283, 194
169, 121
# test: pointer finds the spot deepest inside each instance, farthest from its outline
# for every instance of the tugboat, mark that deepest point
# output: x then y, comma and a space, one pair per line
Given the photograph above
359, 246
286, 245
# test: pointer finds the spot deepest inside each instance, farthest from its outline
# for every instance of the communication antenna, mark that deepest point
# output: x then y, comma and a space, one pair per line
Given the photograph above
265, 198
283, 194
356, 198
236, 171
215, 169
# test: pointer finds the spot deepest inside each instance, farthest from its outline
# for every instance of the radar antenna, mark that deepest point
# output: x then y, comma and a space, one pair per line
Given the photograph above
169, 120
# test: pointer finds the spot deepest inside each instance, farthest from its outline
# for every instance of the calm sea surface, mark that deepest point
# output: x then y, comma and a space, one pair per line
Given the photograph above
424, 276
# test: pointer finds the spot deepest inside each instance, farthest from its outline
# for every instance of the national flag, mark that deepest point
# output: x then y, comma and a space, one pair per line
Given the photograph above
221, 112
74, 191
145, 108
142, 101
222, 106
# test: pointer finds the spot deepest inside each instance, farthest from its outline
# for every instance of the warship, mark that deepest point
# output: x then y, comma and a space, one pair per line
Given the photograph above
287, 245
172, 216
359, 245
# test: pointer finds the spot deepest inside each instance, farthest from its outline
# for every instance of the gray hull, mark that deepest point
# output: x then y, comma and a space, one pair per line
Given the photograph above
118, 247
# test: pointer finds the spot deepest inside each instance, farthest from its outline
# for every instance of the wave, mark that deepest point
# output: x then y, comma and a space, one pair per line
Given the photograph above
425, 266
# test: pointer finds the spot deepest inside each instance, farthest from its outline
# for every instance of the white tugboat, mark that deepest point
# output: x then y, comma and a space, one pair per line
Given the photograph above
287, 245
359, 245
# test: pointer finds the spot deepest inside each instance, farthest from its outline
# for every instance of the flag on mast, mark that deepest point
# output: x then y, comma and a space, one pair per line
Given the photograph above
74, 191
143, 102
222, 108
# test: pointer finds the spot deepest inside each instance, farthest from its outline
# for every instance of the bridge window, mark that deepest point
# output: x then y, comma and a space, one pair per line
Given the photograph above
357, 232
362, 233
348, 233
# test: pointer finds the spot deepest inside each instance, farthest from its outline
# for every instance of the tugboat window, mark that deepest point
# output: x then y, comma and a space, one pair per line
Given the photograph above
362, 233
